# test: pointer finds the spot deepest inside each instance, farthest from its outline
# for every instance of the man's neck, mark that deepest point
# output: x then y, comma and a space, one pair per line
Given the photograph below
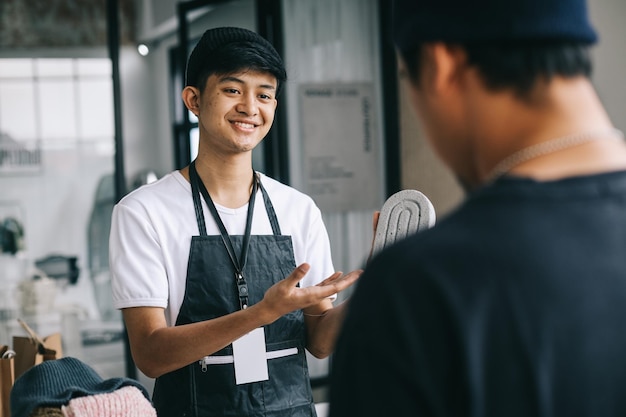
565, 107
229, 182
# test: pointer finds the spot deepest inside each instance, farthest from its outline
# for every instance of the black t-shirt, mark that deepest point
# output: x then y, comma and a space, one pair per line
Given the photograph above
514, 305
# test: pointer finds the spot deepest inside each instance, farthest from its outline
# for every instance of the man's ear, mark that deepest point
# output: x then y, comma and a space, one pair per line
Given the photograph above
191, 98
447, 66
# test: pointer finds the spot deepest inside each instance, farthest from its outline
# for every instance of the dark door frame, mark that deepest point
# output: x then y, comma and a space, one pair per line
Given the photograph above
391, 106
119, 176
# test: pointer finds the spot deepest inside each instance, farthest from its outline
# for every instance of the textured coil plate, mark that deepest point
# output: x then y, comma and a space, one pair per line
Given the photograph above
403, 214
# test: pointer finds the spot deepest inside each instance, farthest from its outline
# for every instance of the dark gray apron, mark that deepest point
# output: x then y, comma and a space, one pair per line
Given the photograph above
213, 289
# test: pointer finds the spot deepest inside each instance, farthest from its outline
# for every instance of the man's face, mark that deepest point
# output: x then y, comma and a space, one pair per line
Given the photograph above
235, 111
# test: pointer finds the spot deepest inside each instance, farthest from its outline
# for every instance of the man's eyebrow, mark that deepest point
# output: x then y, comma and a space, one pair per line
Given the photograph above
230, 78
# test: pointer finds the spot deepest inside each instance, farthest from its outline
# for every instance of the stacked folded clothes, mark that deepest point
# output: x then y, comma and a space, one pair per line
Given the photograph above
123, 402
68, 387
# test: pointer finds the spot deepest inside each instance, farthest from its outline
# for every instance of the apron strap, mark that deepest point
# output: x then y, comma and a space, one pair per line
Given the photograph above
197, 204
269, 208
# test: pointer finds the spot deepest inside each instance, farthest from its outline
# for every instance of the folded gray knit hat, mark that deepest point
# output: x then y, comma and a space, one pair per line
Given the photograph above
54, 383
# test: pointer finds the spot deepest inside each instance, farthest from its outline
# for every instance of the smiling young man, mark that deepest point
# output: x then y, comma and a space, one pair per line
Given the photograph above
220, 271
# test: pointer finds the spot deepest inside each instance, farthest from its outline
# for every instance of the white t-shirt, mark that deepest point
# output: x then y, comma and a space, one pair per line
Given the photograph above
151, 234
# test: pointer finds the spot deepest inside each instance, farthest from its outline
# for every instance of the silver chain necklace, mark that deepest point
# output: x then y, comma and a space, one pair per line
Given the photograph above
548, 147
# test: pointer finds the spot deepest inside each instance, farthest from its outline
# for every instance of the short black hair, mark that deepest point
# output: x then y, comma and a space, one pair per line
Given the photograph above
516, 65
230, 50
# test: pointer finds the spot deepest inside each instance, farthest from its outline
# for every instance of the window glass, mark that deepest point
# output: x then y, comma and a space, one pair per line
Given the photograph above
48, 67
19, 68
57, 102
98, 66
57, 111
194, 138
17, 101
95, 110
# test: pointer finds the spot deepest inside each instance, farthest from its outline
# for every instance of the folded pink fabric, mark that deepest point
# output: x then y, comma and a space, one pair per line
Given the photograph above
127, 401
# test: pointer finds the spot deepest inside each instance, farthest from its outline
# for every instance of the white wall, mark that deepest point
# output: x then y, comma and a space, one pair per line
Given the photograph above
610, 56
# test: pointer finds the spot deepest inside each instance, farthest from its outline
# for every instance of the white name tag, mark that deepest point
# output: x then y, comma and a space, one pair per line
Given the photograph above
250, 357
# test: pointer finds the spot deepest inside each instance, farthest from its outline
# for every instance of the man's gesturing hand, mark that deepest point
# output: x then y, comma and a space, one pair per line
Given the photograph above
284, 296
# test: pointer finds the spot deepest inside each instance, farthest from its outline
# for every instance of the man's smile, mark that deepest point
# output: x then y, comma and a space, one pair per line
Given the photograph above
244, 125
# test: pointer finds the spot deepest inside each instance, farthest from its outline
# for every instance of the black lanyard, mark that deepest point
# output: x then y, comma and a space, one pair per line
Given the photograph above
239, 263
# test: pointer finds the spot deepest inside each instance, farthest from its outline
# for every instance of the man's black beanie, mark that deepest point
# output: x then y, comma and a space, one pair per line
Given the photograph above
472, 21
216, 38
